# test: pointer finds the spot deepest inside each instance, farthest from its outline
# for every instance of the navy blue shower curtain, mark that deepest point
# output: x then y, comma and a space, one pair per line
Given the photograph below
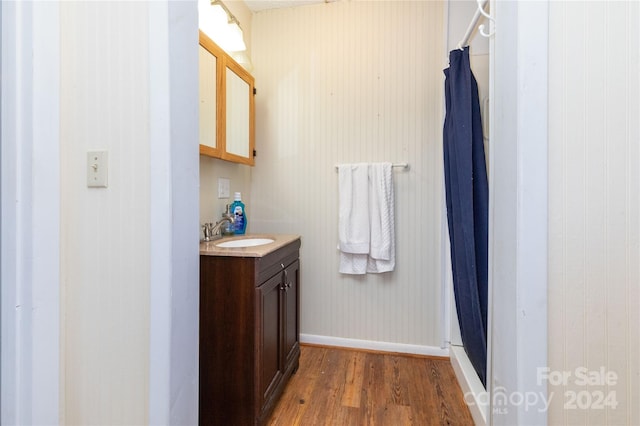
467, 194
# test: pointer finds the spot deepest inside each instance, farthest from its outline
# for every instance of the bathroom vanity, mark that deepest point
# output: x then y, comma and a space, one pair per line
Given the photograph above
249, 328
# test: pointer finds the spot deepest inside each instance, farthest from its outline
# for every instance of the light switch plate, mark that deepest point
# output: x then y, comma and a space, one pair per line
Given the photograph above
97, 169
223, 188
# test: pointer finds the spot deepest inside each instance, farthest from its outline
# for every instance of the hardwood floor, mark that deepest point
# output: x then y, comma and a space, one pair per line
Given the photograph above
335, 386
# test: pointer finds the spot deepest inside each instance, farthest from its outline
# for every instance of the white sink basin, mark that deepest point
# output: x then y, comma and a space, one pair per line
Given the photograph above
246, 242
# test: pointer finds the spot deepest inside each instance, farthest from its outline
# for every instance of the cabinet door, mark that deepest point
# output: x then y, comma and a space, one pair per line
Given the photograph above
210, 81
239, 118
269, 366
291, 312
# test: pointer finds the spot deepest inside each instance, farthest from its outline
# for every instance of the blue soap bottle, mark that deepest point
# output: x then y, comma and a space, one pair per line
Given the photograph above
239, 215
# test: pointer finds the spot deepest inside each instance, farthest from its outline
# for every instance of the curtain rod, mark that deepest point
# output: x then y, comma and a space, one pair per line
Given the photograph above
473, 23
404, 166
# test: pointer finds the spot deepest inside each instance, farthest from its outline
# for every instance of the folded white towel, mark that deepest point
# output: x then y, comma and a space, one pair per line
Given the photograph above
353, 220
366, 229
381, 218
355, 264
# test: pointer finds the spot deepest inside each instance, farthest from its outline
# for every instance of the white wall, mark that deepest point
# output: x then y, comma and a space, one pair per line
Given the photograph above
99, 286
594, 196
518, 212
353, 82
239, 175
30, 205
105, 232
592, 111
174, 276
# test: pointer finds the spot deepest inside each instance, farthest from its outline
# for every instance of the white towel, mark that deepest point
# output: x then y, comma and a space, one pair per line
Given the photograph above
366, 229
381, 217
353, 221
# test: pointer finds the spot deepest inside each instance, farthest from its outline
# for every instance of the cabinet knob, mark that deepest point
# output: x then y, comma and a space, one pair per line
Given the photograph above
285, 286
282, 265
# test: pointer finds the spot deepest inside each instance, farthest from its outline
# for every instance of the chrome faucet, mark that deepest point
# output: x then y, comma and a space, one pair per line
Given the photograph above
216, 229
213, 231
206, 229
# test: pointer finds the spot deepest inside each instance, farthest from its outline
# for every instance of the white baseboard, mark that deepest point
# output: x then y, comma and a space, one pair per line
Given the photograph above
374, 345
471, 385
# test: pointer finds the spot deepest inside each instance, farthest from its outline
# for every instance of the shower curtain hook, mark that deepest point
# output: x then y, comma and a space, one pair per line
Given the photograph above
486, 15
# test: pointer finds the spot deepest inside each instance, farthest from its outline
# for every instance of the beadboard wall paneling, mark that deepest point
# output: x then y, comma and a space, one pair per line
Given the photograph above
594, 195
239, 175
105, 233
351, 82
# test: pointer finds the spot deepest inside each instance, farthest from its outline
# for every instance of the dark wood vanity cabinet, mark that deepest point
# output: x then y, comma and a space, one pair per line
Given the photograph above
249, 334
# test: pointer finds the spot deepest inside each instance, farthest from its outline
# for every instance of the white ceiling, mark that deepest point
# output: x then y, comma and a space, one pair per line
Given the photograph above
257, 5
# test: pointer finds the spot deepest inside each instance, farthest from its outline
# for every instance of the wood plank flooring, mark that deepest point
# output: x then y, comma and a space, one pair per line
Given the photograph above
335, 386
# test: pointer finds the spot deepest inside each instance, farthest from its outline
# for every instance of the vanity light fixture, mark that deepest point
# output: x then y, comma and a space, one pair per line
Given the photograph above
215, 20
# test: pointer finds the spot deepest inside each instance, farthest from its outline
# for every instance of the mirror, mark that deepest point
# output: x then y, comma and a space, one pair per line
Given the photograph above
238, 96
208, 98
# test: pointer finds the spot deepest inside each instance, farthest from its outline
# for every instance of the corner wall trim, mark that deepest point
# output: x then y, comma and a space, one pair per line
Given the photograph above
374, 345
475, 396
